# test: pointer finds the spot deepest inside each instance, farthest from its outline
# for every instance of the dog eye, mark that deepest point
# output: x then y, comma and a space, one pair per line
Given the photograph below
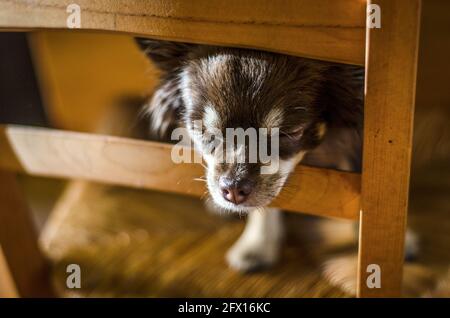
293, 134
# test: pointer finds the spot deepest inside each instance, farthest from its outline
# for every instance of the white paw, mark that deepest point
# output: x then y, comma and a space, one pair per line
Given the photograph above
247, 257
341, 271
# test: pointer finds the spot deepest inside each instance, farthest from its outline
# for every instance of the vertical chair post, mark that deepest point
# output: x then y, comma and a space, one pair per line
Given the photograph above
23, 268
391, 63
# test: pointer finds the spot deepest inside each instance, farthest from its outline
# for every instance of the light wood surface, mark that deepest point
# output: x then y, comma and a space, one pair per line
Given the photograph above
81, 75
144, 164
389, 108
325, 29
23, 269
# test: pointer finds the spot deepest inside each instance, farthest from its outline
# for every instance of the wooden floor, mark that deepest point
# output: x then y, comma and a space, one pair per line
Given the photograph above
140, 243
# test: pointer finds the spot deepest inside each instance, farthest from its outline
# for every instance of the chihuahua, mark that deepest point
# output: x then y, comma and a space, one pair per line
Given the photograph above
316, 108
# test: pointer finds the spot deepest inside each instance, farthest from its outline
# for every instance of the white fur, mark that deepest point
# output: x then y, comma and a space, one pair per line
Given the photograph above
259, 244
185, 83
287, 166
263, 233
275, 118
214, 64
211, 118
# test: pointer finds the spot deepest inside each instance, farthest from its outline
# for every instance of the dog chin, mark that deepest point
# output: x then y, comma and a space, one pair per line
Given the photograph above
233, 208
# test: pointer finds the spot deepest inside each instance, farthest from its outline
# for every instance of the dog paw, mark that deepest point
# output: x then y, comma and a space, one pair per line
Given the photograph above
252, 257
341, 271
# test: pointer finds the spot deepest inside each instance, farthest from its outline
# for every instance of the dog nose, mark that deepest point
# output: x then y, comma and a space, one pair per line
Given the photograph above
236, 192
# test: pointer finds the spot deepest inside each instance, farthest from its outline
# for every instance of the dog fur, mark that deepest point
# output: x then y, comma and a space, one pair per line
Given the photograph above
318, 107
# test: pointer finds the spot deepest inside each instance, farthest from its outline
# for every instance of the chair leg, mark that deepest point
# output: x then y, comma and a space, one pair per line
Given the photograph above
23, 268
391, 64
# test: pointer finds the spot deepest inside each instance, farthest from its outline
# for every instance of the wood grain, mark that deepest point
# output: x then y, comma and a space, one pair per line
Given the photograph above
24, 269
144, 164
389, 109
325, 29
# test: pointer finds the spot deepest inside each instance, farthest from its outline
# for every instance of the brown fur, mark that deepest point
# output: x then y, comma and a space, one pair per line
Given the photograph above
243, 87
248, 84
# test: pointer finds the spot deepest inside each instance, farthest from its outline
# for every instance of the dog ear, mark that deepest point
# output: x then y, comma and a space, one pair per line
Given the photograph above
164, 110
166, 55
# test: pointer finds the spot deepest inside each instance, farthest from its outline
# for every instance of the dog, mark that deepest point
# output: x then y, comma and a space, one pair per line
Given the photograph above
316, 107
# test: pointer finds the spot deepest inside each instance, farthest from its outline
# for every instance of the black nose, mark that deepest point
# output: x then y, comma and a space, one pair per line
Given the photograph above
235, 191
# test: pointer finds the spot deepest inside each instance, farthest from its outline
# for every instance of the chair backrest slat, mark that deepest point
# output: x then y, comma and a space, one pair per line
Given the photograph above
324, 29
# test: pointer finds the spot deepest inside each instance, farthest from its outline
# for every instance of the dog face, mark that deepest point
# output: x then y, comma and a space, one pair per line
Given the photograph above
244, 90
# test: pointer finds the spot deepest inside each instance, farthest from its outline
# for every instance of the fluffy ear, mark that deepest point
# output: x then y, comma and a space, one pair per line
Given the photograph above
164, 109
166, 55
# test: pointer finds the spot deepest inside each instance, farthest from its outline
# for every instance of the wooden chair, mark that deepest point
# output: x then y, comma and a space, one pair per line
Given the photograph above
332, 30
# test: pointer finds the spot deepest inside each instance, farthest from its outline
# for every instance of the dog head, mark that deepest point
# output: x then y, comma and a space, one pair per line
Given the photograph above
253, 115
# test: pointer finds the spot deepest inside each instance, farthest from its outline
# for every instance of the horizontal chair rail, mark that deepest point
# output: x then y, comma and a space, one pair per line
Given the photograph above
145, 164
324, 29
